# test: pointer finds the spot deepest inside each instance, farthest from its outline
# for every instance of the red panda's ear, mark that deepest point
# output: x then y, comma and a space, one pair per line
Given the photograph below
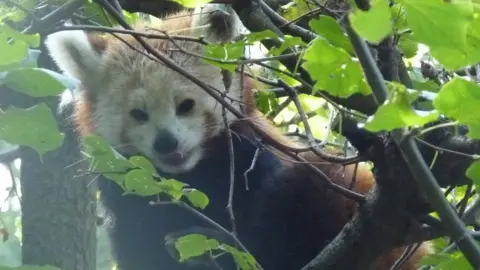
77, 53
217, 23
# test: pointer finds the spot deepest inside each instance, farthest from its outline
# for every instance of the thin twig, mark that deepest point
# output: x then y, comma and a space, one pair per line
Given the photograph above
278, 20
334, 186
407, 254
311, 140
22, 8
252, 166
276, 111
296, 133
117, 5
297, 118
441, 149
13, 190
218, 226
62, 12
238, 62
231, 153
10, 155
105, 29
471, 213
312, 12
464, 202
435, 127
209, 221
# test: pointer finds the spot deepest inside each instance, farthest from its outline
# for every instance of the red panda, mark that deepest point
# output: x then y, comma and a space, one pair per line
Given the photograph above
140, 106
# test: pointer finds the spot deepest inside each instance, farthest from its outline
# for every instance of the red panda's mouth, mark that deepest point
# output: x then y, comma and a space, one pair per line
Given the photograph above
175, 158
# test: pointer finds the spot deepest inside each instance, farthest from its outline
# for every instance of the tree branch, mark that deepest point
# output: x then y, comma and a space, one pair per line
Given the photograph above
421, 173
255, 20
384, 219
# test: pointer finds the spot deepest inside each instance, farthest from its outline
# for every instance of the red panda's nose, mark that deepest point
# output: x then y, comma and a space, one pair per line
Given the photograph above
165, 142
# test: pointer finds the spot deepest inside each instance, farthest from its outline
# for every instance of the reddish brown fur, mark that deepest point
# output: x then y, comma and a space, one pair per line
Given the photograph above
346, 208
98, 43
112, 44
83, 117
339, 174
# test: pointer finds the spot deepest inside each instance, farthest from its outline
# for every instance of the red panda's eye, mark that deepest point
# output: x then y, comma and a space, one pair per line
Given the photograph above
139, 115
185, 106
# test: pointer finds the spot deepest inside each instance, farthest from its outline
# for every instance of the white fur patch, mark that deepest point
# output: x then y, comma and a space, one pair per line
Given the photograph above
73, 53
121, 80
201, 19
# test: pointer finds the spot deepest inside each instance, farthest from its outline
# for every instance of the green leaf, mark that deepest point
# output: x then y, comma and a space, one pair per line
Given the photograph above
420, 83
193, 245
399, 17
456, 58
444, 261
473, 172
473, 43
396, 112
459, 99
245, 260
96, 146
35, 127
28, 62
334, 70
12, 52
94, 12
131, 18
13, 13
428, 20
309, 102
143, 163
408, 46
39, 83
104, 160
444, 27
141, 182
229, 51
440, 243
33, 40
172, 187
375, 24
288, 41
286, 78
294, 9
253, 37
197, 198
266, 101
191, 3
329, 28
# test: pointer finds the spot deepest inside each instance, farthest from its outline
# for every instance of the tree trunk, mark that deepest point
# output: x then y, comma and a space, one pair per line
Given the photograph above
58, 210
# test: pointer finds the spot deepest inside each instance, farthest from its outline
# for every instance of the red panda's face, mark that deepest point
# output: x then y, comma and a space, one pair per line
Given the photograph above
138, 104
146, 108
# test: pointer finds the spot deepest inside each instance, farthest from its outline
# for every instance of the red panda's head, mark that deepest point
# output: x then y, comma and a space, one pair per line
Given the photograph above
138, 104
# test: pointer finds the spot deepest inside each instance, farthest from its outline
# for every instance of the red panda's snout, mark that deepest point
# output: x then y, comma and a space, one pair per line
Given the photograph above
165, 142
166, 147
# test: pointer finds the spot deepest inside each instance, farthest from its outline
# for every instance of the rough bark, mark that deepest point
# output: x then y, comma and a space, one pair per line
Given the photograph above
58, 209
